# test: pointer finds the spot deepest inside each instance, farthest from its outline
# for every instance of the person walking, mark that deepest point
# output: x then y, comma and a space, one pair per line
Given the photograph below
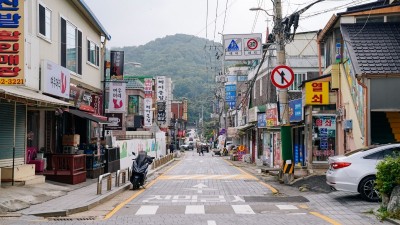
171, 148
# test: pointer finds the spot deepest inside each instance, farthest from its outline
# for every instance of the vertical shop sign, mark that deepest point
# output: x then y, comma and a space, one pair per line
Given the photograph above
161, 115
148, 88
185, 110
116, 97
12, 43
271, 115
97, 104
117, 65
261, 120
296, 110
148, 114
324, 136
161, 89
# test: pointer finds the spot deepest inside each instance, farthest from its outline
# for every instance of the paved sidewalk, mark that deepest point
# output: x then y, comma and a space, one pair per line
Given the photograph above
56, 199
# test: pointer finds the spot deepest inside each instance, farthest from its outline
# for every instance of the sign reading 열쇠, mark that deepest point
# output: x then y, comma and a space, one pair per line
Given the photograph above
317, 93
12, 43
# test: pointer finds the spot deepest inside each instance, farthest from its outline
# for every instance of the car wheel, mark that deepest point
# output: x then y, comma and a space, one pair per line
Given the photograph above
368, 191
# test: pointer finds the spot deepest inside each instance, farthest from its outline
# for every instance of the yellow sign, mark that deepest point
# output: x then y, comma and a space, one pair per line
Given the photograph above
317, 93
12, 43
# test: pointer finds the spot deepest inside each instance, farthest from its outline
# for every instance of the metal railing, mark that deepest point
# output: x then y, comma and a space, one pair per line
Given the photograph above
126, 174
100, 182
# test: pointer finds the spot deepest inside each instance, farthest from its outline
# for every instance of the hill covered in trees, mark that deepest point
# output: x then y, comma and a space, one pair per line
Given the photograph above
190, 61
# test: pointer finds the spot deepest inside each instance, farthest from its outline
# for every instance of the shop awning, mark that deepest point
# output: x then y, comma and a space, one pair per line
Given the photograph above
88, 116
24, 95
245, 127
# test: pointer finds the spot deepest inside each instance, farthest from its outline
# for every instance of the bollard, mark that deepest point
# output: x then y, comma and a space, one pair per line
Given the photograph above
109, 183
100, 182
124, 177
117, 178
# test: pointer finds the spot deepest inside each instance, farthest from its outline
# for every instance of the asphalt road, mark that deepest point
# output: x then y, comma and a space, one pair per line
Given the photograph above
210, 190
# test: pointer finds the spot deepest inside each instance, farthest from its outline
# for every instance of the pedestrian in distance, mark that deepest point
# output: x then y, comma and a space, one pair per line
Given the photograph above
171, 148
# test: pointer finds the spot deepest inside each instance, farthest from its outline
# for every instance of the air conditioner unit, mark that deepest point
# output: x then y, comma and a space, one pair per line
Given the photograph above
348, 125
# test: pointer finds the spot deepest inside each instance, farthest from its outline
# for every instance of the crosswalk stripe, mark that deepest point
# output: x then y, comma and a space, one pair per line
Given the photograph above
211, 222
286, 207
194, 209
242, 209
147, 210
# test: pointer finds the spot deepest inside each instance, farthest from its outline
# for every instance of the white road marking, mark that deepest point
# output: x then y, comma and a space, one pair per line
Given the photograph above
211, 222
147, 210
238, 199
242, 209
194, 209
286, 207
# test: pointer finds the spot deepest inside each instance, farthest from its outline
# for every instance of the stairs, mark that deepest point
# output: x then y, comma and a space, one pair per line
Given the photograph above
394, 121
381, 127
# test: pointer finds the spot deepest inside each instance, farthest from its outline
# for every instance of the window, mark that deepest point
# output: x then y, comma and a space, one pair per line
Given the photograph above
71, 47
93, 53
45, 22
298, 79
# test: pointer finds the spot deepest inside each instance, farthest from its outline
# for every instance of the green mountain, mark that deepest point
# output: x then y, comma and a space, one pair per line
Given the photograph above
190, 61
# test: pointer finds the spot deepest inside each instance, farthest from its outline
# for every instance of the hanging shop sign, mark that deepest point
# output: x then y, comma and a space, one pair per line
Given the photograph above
161, 108
271, 115
12, 43
261, 120
117, 97
97, 104
55, 79
117, 65
148, 113
115, 120
161, 88
317, 93
148, 88
296, 110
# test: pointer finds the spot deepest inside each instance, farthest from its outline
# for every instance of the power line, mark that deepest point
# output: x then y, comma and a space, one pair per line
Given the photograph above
226, 9
216, 17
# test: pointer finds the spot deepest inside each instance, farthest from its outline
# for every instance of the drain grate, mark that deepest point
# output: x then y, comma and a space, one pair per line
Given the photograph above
71, 218
275, 199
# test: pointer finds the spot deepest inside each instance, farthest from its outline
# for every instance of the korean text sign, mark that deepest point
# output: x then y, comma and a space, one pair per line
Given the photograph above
12, 42
117, 97
317, 93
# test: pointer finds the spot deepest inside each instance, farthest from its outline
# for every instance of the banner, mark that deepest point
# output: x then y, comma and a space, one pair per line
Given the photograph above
117, 65
148, 113
117, 95
161, 115
133, 104
161, 88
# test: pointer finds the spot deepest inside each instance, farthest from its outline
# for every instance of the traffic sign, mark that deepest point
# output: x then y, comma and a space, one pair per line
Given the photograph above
282, 76
252, 44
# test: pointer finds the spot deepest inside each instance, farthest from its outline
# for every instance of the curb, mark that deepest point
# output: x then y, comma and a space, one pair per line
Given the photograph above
105, 198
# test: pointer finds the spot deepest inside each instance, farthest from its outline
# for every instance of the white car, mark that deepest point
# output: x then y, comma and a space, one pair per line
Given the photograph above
356, 170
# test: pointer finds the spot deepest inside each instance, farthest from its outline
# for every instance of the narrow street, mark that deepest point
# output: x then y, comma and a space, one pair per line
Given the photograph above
210, 190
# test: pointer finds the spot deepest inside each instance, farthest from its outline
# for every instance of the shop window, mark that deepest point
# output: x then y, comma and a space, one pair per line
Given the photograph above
324, 137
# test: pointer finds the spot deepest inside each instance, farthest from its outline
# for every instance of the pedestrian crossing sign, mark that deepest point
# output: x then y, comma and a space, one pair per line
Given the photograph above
242, 46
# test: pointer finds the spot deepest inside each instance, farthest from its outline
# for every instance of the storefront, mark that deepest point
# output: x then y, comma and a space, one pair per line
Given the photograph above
320, 120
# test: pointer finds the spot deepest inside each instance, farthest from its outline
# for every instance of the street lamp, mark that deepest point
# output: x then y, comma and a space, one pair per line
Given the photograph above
260, 9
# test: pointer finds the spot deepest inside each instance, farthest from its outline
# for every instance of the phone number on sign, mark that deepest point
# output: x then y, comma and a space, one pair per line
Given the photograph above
11, 81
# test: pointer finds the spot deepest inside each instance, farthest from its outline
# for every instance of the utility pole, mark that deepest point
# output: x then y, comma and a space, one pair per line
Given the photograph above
287, 155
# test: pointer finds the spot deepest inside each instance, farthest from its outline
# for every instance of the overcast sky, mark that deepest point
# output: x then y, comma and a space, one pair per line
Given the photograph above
137, 22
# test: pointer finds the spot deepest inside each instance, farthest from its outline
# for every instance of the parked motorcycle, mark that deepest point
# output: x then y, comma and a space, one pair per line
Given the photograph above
140, 167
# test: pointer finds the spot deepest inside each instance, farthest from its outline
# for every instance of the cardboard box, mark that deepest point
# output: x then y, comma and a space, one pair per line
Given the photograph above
71, 140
